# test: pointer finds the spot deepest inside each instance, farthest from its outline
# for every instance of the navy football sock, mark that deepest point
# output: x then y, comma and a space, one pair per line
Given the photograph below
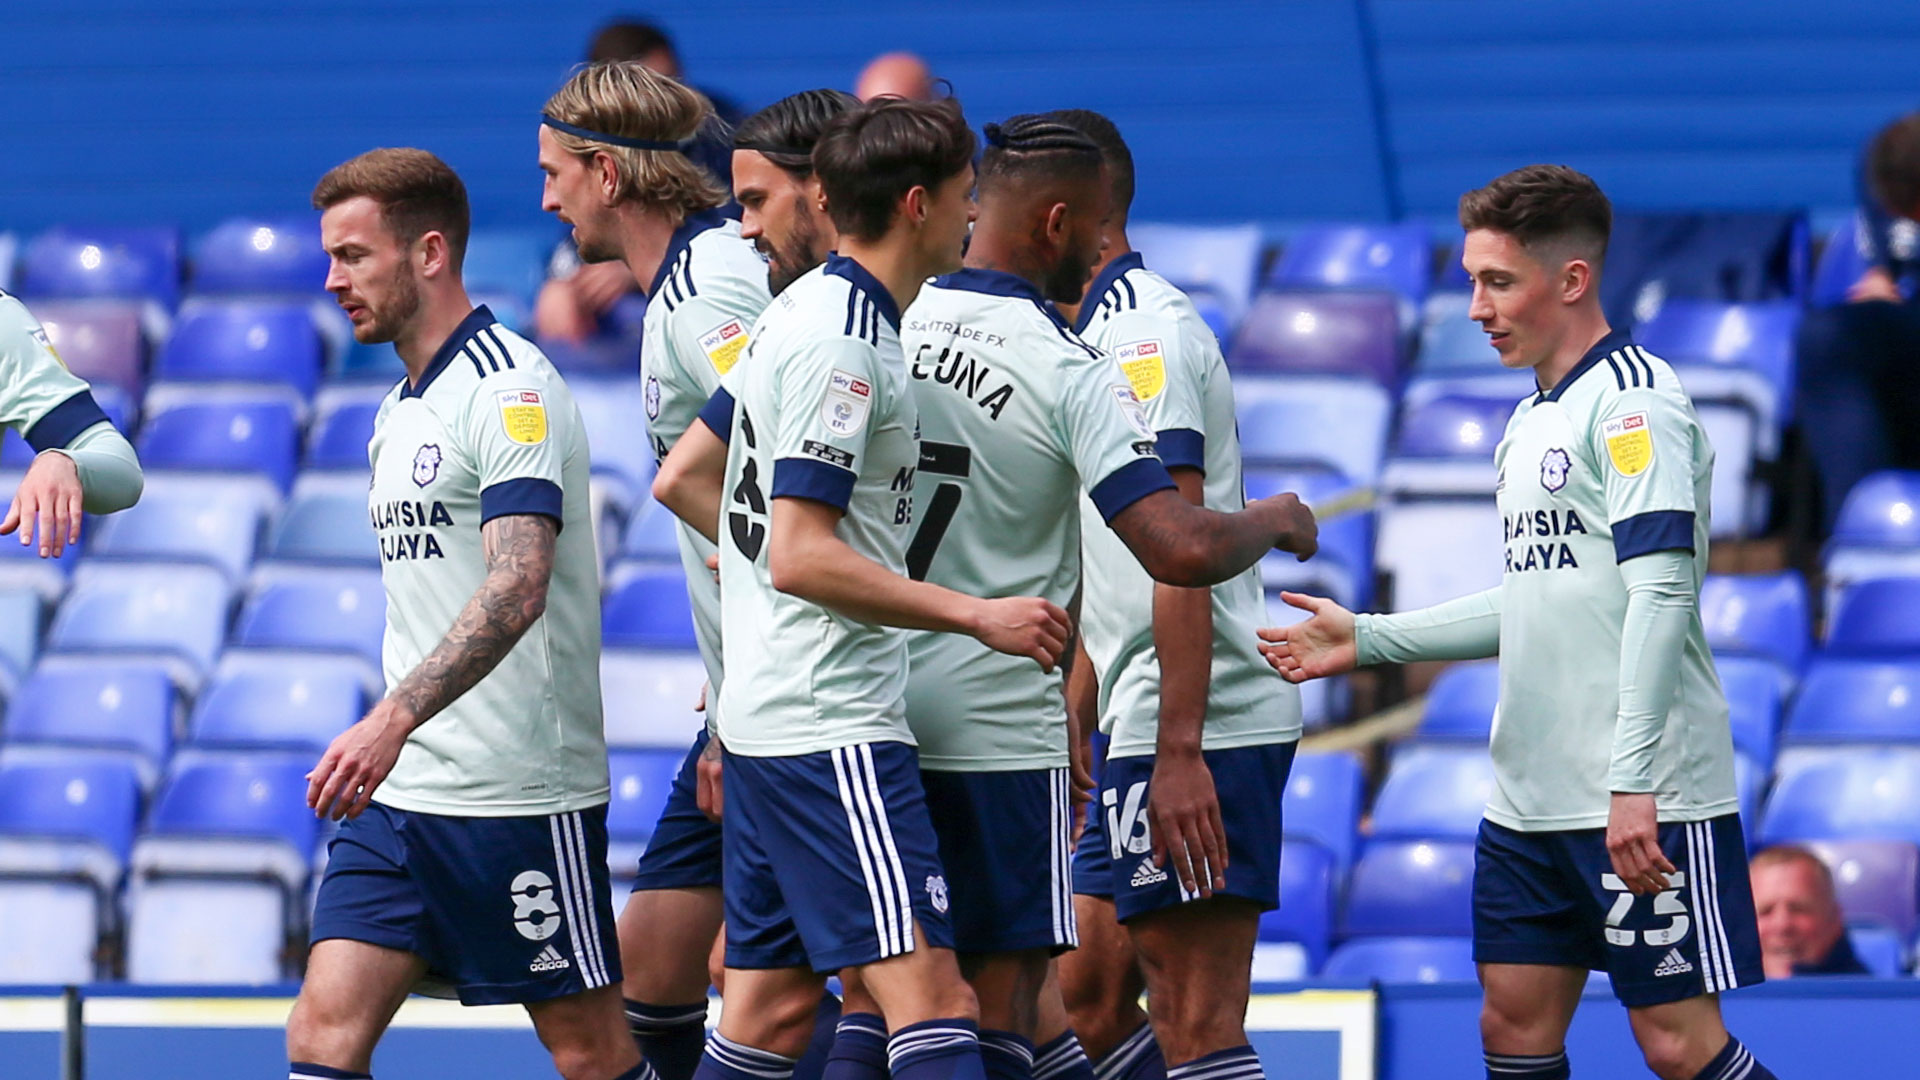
307, 1070
1062, 1058
728, 1060
826, 1020
859, 1049
1735, 1062
936, 1050
1136, 1058
1006, 1056
1233, 1063
671, 1037
1529, 1066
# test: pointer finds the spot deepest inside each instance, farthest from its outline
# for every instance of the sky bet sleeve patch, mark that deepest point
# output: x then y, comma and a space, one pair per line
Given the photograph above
1146, 366
1629, 443
724, 343
524, 416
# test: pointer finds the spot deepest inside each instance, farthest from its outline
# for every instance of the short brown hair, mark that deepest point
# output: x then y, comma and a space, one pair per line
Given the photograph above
627, 99
417, 192
1543, 205
1893, 166
870, 157
1793, 853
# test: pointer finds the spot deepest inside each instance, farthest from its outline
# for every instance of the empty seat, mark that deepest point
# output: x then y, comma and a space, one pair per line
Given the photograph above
508, 261
261, 256
1868, 793
1336, 424
1712, 343
211, 519
343, 610
649, 697
174, 608
278, 700
197, 930
647, 608
1396, 258
125, 262
66, 824
1450, 341
1445, 446
243, 341
653, 535
1305, 915
326, 520
370, 363
257, 435
19, 628
1759, 614
102, 703
1438, 549
1321, 333
1322, 803
1404, 960
1880, 511
1857, 699
1417, 889
642, 780
609, 408
1222, 260
99, 340
1752, 686
1876, 880
1434, 792
1878, 616
343, 426
1461, 701
1882, 951
253, 796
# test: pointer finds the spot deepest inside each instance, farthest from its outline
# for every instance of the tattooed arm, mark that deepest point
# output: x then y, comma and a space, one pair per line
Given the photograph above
1190, 546
519, 551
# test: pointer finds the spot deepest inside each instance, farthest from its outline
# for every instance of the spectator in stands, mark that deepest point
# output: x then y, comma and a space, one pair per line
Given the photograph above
1802, 931
895, 74
1859, 364
576, 297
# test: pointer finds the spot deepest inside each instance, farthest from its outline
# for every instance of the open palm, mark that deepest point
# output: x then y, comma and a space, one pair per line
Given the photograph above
1321, 646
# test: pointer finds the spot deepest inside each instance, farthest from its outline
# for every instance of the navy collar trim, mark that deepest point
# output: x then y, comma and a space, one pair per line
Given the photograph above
1615, 340
841, 266
1001, 283
477, 320
693, 225
1109, 274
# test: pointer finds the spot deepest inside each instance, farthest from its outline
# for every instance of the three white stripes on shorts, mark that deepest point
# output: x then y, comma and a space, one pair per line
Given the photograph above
1703, 884
1066, 930
576, 897
880, 862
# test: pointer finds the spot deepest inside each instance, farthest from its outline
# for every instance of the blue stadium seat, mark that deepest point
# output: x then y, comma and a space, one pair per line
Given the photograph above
1882, 510
647, 608
1305, 915
1754, 696
369, 363
1321, 333
1213, 311
642, 780
326, 520
343, 426
260, 796
1875, 881
512, 262
1343, 567
278, 700
648, 697
71, 796
211, 519
1882, 951
1395, 258
1436, 549
1411, 889
257, 436
1453, 426
653, 535
19, 628
343, 610
128, 263
101, 341
1868, 793
1736, 257
1404, 960
1451, 342
1857, 699
1461, 701
1335, 424
608, 407
1879, 616
1759, 615
1322, 803
66, 824
1434, 792
254, 256
243, 341
1221, 260
175, 608
1702, 336
99, 703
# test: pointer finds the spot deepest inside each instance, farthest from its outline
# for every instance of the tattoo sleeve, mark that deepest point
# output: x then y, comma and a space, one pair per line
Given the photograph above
519, 550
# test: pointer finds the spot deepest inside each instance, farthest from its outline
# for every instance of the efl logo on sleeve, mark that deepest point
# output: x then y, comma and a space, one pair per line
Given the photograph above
723, 344
1629, 443
1145, 363
1130, 406
849, 398
524, 416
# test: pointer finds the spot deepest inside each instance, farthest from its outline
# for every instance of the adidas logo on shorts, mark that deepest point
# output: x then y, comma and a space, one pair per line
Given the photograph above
1672, 964
548, 960
1147, 874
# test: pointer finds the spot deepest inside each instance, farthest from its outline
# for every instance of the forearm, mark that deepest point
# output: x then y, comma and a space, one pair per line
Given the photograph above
110, 477
1183, 641
1660, 602
1083, 690
823, 569
1464, 629
692, 480
1181, 544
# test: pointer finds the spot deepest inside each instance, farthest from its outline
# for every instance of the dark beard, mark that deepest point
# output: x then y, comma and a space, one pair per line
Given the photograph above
1067, 281
789, 262
402, 305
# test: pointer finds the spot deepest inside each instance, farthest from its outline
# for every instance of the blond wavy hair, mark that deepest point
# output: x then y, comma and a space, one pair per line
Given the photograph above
627, 99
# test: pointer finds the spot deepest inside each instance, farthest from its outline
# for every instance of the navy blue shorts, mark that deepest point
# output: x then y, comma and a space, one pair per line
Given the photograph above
1003, 841
830, 858
507, 909
1552, 898
684, 852
1092, 863
1249, 781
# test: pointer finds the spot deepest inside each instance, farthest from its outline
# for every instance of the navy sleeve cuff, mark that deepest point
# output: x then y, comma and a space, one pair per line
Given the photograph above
522, 495
1128, 484
717, 413
1655, 530
800, 478
65, 421
1182, 448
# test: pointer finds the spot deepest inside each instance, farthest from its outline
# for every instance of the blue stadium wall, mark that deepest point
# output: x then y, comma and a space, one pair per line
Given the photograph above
193, 110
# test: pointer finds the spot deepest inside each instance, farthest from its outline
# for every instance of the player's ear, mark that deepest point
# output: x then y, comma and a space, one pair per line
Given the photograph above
1576, 281
432, 252
1056, 224
916, 204
606, 173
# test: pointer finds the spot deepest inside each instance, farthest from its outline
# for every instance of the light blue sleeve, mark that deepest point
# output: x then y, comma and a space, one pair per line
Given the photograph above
1660, 604
1464, 629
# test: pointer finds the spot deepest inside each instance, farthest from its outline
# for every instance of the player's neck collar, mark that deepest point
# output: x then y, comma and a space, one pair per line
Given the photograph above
691, 226
1615, 340
1109, 274
477, 320
841, 266
1000, 283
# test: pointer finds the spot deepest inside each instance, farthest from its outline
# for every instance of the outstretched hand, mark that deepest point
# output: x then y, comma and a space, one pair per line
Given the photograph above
1321, 646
